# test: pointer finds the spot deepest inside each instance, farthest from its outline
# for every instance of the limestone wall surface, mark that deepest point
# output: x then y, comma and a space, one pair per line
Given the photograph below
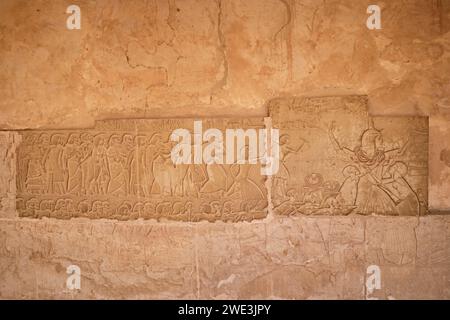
178, 59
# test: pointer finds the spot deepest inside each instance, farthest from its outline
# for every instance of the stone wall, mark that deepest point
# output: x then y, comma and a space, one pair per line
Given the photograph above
229, 58
290, 258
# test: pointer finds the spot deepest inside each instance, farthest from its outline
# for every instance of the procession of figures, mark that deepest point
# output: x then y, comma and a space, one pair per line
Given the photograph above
122, 169
85, 173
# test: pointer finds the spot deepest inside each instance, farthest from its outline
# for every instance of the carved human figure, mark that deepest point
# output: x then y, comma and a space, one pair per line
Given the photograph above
371, 158
396, 185
194, 180
24, 155
349, 188
117, 162
247, 183
60, 207
139, 177
86, 162
313, 190
177, 176
280, 180
188, 209
55, 166
217, 179
161, 166
128, 151
36, 181
152, 145
99, 178
73, 157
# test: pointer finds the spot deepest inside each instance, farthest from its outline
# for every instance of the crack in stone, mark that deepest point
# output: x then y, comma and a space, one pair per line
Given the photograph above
288, 21
222, 48
288, 27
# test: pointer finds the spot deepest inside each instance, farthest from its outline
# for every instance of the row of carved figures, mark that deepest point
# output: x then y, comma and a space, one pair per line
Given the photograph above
123, 165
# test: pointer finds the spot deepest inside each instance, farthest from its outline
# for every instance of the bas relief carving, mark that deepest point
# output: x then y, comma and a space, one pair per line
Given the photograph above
8, 142
337, 160
122, 170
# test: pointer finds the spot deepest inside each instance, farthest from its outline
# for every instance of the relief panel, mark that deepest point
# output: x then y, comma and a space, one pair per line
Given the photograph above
122, 169
335, 159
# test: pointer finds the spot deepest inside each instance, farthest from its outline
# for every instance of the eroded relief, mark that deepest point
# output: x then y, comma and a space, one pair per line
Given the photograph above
8, 143
337, 160
122, 169
445, 157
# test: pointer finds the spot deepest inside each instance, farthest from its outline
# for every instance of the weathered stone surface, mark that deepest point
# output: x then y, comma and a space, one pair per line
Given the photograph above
202, 58
8, 144
193, 56
281, 256
122, 169
412, 254
335, 159
286, 257
440, 163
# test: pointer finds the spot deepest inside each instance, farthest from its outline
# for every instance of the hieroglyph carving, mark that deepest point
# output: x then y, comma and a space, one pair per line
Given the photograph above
335, 159
122, 169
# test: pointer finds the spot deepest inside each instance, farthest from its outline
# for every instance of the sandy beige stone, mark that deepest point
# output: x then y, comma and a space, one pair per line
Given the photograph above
191, 57
227, 58
335, 159
440, 159
8, 145
124, 169
302, 258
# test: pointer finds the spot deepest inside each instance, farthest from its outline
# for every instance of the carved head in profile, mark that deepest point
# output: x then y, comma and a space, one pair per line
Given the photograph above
114, 140
284, 139
73, 139
314, 180
99, 140
30, 139
57, 139
128, 140
44, 139
371, 141
445, 157
350, 171
155, 139
86, 137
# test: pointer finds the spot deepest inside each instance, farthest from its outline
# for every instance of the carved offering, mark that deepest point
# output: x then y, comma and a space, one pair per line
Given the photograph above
336, 160
122, 169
